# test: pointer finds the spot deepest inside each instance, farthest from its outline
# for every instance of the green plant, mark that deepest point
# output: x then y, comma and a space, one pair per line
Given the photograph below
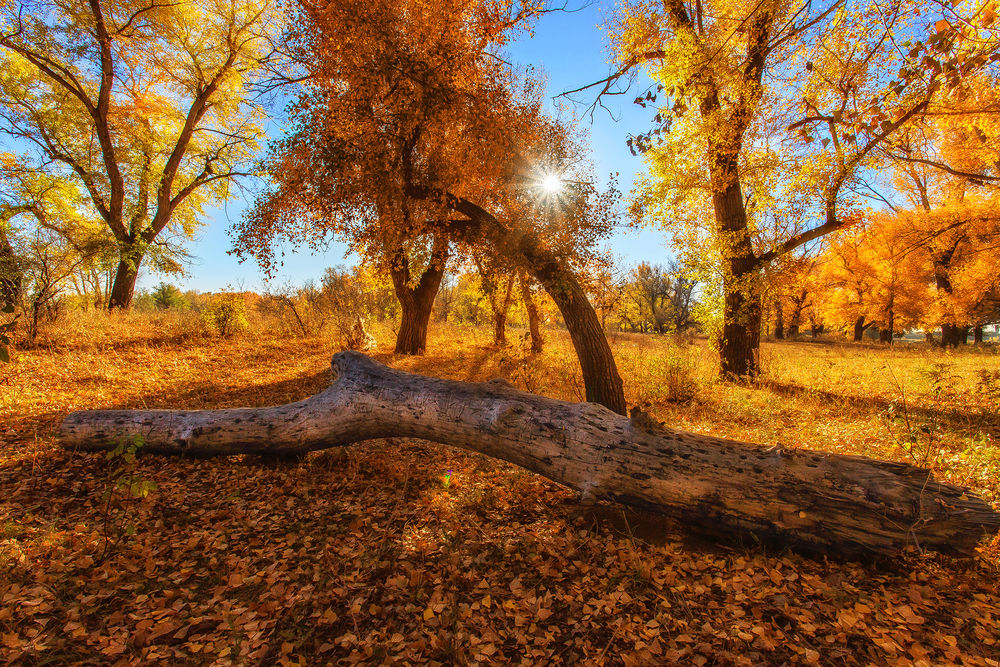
904, 428
940, 377
167, 296
123, 491
988, 387
921, 437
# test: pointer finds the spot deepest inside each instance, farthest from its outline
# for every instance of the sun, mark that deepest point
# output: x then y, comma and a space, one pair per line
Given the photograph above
551, 184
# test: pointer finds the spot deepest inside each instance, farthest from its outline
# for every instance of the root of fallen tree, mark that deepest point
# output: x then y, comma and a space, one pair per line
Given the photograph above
723, 489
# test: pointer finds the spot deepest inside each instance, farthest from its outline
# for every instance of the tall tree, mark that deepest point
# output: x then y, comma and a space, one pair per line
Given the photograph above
947, 168
531, 312
45, 233
828, 82
873, 276
150, 106
416, 293
410, 125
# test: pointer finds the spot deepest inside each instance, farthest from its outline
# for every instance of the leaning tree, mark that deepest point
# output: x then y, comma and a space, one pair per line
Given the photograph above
410, 127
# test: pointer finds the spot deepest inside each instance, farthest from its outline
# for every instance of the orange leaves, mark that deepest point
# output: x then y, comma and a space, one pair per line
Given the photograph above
250, 562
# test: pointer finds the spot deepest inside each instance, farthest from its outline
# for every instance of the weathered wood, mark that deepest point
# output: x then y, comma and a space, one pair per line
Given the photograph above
722, 488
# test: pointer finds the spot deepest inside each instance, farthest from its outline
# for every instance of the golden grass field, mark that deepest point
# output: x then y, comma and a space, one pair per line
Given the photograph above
372, 556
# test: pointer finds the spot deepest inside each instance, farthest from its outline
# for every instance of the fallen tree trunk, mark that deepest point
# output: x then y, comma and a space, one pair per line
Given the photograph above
721, 488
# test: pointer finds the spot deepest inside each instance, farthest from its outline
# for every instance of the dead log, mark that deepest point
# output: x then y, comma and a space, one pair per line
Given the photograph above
728, 490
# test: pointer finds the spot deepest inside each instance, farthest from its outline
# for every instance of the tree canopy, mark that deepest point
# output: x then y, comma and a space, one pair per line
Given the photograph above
151, 108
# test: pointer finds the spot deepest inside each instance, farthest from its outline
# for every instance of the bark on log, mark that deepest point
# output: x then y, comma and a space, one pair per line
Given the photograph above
724, 489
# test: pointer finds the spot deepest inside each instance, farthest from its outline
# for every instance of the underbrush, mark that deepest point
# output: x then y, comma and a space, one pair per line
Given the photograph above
227, 315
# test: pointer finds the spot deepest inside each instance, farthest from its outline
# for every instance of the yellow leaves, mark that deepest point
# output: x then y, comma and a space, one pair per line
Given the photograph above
168, 59
989, 15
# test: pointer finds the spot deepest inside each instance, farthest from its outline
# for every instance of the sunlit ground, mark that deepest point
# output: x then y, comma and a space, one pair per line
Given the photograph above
378, 554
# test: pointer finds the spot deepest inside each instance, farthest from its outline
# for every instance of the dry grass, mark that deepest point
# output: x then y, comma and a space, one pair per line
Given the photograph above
338, 558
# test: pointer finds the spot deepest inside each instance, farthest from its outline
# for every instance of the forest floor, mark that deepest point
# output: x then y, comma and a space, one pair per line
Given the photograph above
405, 552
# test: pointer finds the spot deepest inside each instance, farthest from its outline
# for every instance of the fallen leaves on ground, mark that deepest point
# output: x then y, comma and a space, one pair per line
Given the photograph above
369, 555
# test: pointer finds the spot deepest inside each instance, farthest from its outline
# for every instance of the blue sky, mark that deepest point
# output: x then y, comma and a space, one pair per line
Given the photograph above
570, 48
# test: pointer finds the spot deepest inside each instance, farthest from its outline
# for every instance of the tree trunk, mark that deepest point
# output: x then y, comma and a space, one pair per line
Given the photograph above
977, 334
500, 328
416, 302
415, 315
740, 346
885, 333
726, 489
739, 349
123, 289
942, 266
500, 298
798, 304
555, 274
859, 329
11, 277
602, 383
963, 335
779, 321
534, 322
949, 335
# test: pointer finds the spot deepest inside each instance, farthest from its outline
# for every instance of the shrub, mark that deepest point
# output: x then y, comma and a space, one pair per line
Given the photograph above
227, 314
167, 296
678, 374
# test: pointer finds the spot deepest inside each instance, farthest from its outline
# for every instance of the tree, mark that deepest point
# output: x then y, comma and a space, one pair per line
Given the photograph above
498, 288
731, 491
830, 83
149, 107
416, 293
410, 127
359, 291
44, 239
958, 241
530, 303
872, 276
948, 170
167, 296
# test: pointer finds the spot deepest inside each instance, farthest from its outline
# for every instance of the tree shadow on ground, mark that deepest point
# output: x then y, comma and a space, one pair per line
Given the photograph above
957, 419
476, 364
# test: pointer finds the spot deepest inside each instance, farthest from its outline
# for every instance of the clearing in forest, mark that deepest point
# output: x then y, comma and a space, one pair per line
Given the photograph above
403, 551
